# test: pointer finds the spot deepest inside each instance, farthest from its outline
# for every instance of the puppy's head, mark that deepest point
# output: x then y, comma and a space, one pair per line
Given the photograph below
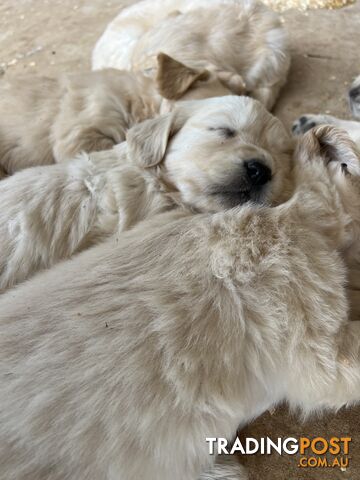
341, 157
218, 153
178, 81
354, 97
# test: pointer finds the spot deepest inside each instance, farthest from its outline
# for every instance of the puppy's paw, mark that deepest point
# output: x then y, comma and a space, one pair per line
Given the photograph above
309, 121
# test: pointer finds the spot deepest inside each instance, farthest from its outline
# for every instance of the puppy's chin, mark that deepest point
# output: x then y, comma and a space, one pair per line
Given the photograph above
218, 198
226, 199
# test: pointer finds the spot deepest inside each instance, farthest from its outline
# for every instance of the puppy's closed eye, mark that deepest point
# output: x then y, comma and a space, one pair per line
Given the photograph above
226, 132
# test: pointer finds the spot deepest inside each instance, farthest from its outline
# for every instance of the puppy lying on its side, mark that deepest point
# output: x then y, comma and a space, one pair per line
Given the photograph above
119, 363
46, 120
208, 155
242, 42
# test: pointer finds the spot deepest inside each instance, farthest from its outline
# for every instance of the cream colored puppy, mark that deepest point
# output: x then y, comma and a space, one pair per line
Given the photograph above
119, 364
208, 155
46, 120
349, 185
241, 42
346, 175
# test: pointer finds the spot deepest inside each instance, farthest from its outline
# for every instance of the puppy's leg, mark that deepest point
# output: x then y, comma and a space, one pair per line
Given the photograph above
94, 114
47, 214
267, 95
225, 468
325, 372
79, 138
308, 121
341, 380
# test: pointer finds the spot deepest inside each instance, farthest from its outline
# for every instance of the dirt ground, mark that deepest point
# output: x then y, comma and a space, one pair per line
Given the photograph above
51, 36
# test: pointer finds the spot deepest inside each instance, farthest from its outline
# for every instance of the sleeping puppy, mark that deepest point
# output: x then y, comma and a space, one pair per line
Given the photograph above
305, 122
241, 43
46, 120
207, 155
130, 351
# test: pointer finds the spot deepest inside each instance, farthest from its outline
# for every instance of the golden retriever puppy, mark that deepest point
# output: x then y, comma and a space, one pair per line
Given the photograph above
119, 363
208, 155
242, 43
46, 120
349, 185
346, 175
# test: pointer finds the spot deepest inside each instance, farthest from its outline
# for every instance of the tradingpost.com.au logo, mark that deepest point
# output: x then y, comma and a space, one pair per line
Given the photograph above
316, 452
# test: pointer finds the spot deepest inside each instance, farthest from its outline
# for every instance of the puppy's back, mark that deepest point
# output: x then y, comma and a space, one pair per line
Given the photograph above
167, 318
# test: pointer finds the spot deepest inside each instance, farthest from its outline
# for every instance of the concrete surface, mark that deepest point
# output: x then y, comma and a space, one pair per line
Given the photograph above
52, 36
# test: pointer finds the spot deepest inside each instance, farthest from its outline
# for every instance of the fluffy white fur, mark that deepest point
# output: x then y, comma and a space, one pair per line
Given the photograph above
307, 121
186, 157
241, 40
120, 362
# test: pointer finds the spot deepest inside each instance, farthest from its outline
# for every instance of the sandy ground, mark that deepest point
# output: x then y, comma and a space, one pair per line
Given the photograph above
51, 36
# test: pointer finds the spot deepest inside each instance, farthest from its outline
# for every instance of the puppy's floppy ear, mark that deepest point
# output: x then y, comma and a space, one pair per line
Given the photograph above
148, 140
331, 144
233, 81
174, 78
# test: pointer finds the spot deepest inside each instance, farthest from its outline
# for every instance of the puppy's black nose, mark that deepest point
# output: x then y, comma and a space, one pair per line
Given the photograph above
354, 92
257, 172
